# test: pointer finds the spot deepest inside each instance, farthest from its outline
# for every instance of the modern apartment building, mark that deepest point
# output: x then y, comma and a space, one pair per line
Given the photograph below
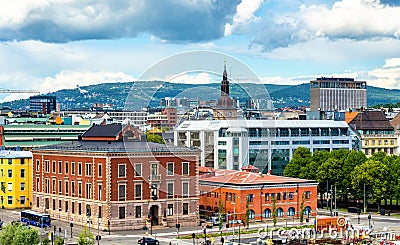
121, 182
375, 132
336, 94
15, 179
43, 104
266, 144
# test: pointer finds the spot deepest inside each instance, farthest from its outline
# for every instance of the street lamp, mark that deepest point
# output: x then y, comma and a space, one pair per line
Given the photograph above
59, 220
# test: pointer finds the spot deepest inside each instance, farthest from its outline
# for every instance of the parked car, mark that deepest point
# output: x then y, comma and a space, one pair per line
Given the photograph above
148, 241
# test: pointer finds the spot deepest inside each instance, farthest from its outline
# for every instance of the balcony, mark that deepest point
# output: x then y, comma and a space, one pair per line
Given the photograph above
155, 178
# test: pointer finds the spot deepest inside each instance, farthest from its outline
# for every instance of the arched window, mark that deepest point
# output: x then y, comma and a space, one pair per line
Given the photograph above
279, 212
307, 210
251, 214
267, 213
291, 211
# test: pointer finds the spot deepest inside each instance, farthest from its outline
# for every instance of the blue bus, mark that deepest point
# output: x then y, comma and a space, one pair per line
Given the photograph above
33, 218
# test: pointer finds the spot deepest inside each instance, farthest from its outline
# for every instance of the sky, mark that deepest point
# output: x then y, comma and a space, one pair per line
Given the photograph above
47, 45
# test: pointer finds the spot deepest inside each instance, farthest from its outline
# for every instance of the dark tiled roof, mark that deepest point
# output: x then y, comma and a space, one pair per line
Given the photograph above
372, 120
114, 147
109, 130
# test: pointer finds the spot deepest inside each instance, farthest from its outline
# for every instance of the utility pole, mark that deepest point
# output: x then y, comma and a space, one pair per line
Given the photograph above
327, 190
365, 207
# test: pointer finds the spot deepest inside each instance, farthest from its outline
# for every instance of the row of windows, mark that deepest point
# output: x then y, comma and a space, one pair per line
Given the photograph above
10, 173
138, 191
379, 142
267, 196
153, 169
16, 160
10, 186
57, 167
21, 200
68, 188
299, 142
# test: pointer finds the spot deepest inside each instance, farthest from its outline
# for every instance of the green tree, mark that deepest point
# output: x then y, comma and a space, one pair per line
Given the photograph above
274, 211
17, 234
59, 241
154, 138
300, 158
373, 174
86, 237
302, 209
353, 159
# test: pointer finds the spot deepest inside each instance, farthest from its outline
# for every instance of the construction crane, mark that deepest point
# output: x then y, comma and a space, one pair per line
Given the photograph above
2, 90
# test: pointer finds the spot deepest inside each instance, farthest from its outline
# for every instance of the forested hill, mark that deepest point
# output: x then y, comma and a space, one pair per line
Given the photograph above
116, 94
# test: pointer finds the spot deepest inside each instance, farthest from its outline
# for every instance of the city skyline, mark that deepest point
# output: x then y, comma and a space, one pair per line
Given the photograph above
48, 47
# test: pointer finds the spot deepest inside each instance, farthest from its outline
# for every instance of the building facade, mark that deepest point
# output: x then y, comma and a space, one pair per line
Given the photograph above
125, 183
43, 104
27, 136
336, 94
266, 144
15, 179
375, 132
234, 189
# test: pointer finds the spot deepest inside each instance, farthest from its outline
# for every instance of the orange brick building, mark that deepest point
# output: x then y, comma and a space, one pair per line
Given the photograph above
233, 188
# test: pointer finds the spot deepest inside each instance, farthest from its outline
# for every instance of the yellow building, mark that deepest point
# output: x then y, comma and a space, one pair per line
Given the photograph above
15, 179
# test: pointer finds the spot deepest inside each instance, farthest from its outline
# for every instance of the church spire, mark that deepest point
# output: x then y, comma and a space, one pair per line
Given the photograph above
225, 83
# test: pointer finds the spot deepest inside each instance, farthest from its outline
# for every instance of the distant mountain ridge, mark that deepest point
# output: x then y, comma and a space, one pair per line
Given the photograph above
150, 93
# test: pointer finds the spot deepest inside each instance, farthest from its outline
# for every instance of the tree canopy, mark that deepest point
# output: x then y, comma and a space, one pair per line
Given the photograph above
18, 234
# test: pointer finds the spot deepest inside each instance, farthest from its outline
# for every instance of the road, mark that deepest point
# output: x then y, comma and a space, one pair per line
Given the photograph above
168, 235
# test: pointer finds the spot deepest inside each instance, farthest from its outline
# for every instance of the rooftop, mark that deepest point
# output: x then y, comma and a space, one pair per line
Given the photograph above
114, 147
15, 154
243, 178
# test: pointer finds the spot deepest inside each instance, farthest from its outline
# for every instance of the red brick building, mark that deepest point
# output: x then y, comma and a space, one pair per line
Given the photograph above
124, 182
233, 188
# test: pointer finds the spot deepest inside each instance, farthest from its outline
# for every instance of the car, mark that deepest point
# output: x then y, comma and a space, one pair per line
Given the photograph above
148, 241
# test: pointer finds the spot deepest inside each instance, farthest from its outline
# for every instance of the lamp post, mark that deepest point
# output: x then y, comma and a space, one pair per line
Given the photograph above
98, 228
59, 220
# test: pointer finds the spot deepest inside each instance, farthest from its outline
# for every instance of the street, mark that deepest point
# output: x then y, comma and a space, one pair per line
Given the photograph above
168, 235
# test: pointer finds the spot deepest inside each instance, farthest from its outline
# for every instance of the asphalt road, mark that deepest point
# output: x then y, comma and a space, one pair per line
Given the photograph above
167, 236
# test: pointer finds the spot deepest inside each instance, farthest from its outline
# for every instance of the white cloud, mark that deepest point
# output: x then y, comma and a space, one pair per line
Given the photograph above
189, 78
244, 15
387, 76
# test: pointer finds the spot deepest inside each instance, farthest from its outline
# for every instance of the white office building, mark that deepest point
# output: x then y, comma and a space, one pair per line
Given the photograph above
266, 144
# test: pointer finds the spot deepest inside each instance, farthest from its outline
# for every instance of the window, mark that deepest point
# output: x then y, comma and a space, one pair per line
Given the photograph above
79, 189
185, 168
99, 195
278, 196
185, 189
88, 191
59, 205
154, 170
22, 186
170, 210
250, 197
138, 169
290, 195
251, 214
9, 187
138, 211
66, 206
170, 168
66, 167
54, 204
37, 166
100, 213
38, 184
9, 173
267, 213
73, 188
307, 194
100, 170
72, 168
121, 192
60, 187
88, 169
121, 212
60, 167
291, 211
267, 196
22, 200
47, 166
121, 170
66, 187
170, 187
54, 186
22, 173
284, 196
79, 168
72, 207
138, 191
9, 200
79, 208
53, 166
185, 210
